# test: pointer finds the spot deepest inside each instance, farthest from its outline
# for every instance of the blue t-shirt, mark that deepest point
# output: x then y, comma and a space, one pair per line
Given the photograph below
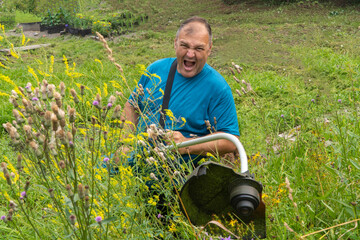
206, 96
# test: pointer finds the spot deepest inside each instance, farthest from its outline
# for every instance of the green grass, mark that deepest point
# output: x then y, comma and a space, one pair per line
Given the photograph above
299, 62
23, 17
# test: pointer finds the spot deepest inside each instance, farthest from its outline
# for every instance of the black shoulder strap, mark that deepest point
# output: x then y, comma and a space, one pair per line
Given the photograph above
166, 98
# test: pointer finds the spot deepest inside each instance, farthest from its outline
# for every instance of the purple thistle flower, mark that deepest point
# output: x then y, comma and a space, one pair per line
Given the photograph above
95, 103
282, 115
21, 198
109, 105
313, 100
27, 87
23, 194
98, 219
3, 217
160, 216
106, 159
228, 238
35, 99
339, 100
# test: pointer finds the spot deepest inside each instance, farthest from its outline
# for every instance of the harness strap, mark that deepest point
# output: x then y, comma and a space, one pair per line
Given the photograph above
166, 98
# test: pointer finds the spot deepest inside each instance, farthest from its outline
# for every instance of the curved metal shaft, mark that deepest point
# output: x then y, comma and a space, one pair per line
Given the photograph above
217, 136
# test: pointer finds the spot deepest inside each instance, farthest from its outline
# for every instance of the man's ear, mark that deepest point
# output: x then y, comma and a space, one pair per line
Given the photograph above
175, 43
210, 49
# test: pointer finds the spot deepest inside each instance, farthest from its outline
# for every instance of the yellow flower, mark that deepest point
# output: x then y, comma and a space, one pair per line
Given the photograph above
32, 72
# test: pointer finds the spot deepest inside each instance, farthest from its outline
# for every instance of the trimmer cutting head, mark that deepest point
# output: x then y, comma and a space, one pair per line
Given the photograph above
215, 189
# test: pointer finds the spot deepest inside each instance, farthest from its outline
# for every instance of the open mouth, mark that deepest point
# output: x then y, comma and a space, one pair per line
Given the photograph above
189, 65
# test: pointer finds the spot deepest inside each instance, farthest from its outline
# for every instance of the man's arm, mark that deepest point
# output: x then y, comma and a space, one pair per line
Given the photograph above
220, 146
130, 114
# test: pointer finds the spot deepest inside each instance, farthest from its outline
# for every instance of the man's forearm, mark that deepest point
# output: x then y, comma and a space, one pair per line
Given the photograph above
220, 146
130, 114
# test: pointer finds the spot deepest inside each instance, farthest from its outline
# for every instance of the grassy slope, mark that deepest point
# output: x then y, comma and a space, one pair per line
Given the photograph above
290, 55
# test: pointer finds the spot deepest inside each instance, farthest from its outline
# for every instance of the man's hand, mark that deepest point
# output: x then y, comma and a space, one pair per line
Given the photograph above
177, 137
220, 146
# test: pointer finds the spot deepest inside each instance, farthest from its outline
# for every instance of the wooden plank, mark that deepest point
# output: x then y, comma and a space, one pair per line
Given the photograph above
30, 47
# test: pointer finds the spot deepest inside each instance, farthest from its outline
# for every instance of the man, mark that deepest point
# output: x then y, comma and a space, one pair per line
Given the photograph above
201, 101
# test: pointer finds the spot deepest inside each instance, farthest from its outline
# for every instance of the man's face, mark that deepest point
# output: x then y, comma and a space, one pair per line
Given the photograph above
192, 49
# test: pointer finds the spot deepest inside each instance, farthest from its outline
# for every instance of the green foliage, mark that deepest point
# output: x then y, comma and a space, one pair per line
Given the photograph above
7, 19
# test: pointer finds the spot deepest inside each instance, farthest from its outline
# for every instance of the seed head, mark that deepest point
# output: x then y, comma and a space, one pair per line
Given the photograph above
27, 185
82, 90
81, 191
72, 219
55, 123
72, 115
57, 97
13, 101
68, 188
50, 91
47, 119
152, 176
28, 87
62, 164
117, 112
74, 95
112, 99
62, 89
51, 192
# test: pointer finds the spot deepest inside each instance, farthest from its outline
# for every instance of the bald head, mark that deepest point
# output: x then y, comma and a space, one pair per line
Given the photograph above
190, 28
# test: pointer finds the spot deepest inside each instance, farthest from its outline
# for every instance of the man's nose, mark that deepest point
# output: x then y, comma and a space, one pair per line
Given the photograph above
190, 53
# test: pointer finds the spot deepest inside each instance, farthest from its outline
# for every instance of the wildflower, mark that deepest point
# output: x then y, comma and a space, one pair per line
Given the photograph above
68, 188
13, 101
3, 217
54, 121
10, 214
81, 191
35, 99
87, 205
152, 176
98, 219
51, 191
72, 219
27, 184
282, 115
228, 238
17, 116
109, 105
74, 95
50, 91
339, 100
82, 90
243, 90
86, 190
23, 194
106, 159
313, 100
62, 89
62, 164
112, 99
72, 115
47, 118
95, 103
117, 112
57, 97
160, 216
